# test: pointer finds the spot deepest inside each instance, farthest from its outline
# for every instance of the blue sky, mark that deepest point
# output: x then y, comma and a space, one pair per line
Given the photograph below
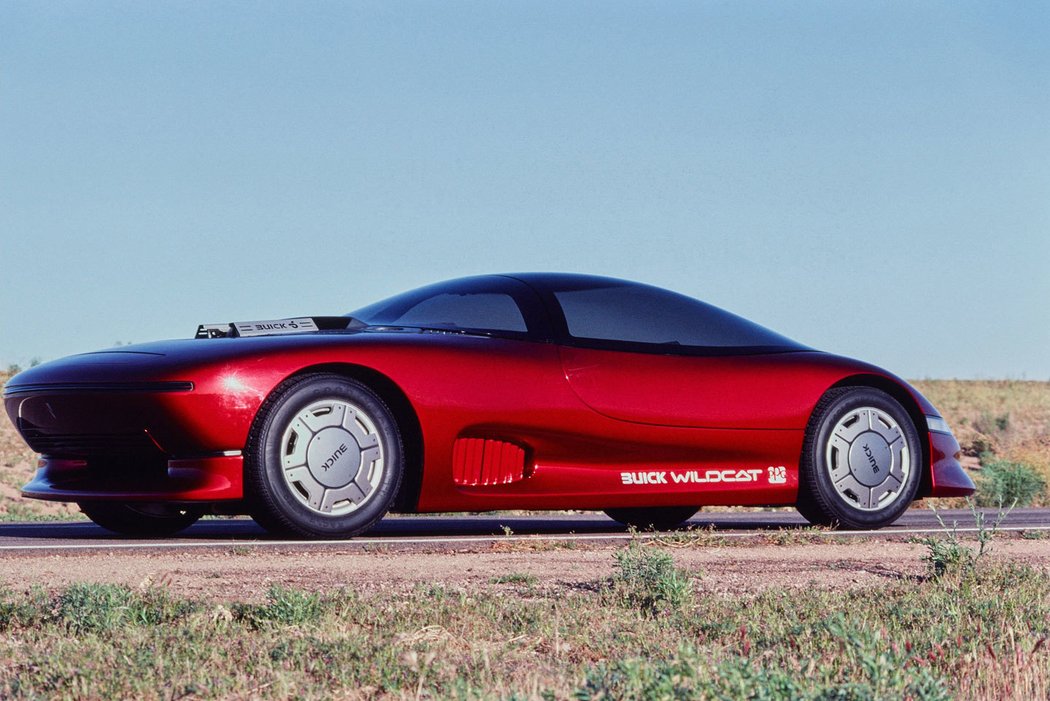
871, 179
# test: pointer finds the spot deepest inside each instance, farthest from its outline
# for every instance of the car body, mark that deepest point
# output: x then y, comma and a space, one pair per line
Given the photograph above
520, 391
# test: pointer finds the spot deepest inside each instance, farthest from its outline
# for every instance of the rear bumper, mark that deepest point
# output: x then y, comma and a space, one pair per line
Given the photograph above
947, 477
204, 479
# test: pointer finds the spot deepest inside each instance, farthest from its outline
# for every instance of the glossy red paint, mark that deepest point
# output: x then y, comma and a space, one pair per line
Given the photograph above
207, 479
947, 476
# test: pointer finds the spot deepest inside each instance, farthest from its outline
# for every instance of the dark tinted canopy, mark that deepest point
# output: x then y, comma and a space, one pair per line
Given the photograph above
579, 310
492, 304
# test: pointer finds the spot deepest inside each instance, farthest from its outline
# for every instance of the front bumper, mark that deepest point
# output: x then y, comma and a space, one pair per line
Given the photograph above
947, 477
205, 479
134, 441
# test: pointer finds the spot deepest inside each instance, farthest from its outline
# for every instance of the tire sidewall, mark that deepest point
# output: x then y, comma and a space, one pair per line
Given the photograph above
126, 519
663, 518
266, 480
827, 497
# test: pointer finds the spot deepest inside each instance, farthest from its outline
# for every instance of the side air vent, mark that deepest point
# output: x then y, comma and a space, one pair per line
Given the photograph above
484, 461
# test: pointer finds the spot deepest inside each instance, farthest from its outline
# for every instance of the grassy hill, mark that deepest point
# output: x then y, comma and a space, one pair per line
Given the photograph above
997, 421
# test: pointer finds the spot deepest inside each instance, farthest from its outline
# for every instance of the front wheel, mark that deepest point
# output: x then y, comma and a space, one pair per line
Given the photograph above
324, 458
861, 460
140, 520
660, 518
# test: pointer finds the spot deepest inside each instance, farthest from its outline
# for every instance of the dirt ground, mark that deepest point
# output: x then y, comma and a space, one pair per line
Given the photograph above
245, 574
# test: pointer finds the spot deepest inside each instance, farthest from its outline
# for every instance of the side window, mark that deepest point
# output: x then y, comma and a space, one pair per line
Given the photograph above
491, 311
638, 314
497, 305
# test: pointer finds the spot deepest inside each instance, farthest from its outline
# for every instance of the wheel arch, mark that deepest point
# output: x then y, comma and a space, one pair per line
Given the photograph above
905, 398
408, 421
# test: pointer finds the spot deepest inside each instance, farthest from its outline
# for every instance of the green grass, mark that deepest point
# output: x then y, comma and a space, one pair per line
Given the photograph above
978, 632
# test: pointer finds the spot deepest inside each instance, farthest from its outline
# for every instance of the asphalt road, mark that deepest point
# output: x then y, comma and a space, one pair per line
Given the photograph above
444, 531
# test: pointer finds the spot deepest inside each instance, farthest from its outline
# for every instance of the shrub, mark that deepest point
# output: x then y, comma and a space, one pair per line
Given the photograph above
947, 556
107, 607
1005, 483
285, 606
647, 579
94, 607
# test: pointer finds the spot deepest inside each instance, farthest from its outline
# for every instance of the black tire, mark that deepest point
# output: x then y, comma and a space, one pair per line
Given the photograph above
861, 460
351, 467
659, 518
140, 520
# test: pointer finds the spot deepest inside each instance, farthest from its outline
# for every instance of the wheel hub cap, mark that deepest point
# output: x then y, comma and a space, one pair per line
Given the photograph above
869, 458
332, 457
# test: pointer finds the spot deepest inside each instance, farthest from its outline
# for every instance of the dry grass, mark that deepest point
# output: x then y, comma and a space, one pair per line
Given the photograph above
645, 628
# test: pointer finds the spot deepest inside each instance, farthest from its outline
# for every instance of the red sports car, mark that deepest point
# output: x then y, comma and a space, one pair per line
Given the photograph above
525, 391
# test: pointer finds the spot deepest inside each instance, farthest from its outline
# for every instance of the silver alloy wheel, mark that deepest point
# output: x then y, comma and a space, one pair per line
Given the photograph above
332, 457
868, 458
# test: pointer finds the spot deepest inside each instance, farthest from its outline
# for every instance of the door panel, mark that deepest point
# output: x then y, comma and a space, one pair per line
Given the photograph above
755, 391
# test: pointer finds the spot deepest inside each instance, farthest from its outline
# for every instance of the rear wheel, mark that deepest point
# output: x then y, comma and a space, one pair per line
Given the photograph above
142, 520
324, 458
660, 518
861, 460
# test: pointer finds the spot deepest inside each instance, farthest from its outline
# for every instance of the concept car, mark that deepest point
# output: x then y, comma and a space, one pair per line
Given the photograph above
522, 391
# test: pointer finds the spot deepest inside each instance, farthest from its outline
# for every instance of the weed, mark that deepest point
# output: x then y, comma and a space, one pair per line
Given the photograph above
23, 612
534, 544
94, 607
796, 536
647, 579
529, 580
947, 554
1005, 482
690, 537
283, 606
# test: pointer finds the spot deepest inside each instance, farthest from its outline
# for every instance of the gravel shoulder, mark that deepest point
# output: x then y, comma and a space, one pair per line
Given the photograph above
245, 574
